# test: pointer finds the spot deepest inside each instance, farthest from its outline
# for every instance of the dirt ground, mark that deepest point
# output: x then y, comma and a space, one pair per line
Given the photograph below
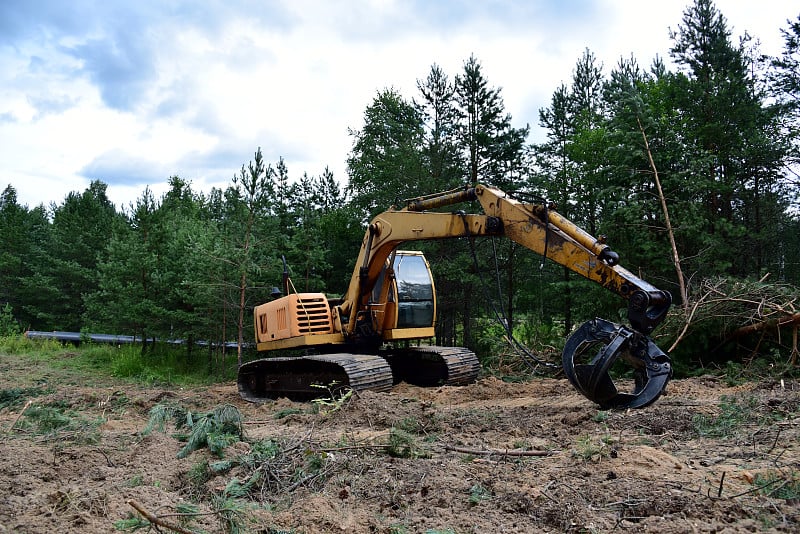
489, 457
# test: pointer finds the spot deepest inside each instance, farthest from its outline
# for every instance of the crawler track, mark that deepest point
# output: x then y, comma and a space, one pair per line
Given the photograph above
300, 377
434, 365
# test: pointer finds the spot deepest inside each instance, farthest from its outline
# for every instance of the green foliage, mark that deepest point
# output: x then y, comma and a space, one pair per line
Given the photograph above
15, 397
233, 512
8, 325
478, 493
385, 163
403, 444
779, 484
55, 422
736, 415
770, 367
336, 397
721, 307
217, 429
164, 365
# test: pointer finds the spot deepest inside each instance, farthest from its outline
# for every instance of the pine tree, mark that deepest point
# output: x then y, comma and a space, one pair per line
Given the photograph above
81, 229
437, 106
494, 149
732, 142
16, 247
256, 187
385, 163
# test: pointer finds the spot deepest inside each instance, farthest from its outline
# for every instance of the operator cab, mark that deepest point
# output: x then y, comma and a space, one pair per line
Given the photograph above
411, 300
414, 290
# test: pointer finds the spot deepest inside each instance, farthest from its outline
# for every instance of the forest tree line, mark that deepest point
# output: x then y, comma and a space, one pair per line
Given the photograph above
713, 140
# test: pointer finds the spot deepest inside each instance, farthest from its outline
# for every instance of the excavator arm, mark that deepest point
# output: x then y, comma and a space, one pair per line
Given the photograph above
593, 348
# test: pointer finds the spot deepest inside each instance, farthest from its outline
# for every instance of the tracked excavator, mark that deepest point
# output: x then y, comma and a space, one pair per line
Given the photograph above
369, 338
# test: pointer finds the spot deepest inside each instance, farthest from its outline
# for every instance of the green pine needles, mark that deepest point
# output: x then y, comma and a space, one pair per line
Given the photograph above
215, 430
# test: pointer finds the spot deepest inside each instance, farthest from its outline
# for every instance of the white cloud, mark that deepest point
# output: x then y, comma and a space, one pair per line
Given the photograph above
134, 93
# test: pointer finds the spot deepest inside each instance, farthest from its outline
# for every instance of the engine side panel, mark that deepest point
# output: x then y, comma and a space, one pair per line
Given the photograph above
295, 315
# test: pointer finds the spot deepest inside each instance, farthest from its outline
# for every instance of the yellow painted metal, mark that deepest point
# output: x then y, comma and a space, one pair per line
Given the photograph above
398, 334
310, 340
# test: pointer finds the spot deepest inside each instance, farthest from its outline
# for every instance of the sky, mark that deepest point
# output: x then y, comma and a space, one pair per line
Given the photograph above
134, 92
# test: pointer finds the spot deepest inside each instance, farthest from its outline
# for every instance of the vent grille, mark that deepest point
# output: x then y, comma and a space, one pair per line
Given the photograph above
313, 316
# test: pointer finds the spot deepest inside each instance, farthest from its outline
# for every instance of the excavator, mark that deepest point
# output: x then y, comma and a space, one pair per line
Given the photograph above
372, 337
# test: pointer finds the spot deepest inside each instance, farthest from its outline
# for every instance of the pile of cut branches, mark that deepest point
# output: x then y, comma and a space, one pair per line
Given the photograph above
731, 310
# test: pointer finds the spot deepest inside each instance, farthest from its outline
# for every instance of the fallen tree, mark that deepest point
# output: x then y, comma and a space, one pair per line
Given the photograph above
732, 311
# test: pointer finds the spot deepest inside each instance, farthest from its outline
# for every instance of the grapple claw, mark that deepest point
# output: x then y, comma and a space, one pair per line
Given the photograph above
587, 365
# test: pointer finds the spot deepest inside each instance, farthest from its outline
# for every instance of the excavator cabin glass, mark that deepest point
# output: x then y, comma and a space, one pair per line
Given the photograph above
415, 294
412, 291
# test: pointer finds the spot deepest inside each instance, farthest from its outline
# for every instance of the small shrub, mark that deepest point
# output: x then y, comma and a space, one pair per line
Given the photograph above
478, 493
8, 325
404, 445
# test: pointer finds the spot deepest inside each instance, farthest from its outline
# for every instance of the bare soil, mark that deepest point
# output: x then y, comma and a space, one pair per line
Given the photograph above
707, 457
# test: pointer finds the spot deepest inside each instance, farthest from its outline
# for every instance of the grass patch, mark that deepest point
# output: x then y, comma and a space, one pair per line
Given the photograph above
55, 422
729, 418
20, 344
95, 362
593, 449
779, 485
735, 412
14, 398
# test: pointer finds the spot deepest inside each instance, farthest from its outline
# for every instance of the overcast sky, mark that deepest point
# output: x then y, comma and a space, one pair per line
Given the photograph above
133, 92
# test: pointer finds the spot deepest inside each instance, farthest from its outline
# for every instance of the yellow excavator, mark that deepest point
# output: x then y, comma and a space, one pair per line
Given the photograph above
370, 338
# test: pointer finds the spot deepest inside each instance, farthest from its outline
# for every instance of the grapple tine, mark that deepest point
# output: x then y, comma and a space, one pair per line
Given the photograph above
651, 367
